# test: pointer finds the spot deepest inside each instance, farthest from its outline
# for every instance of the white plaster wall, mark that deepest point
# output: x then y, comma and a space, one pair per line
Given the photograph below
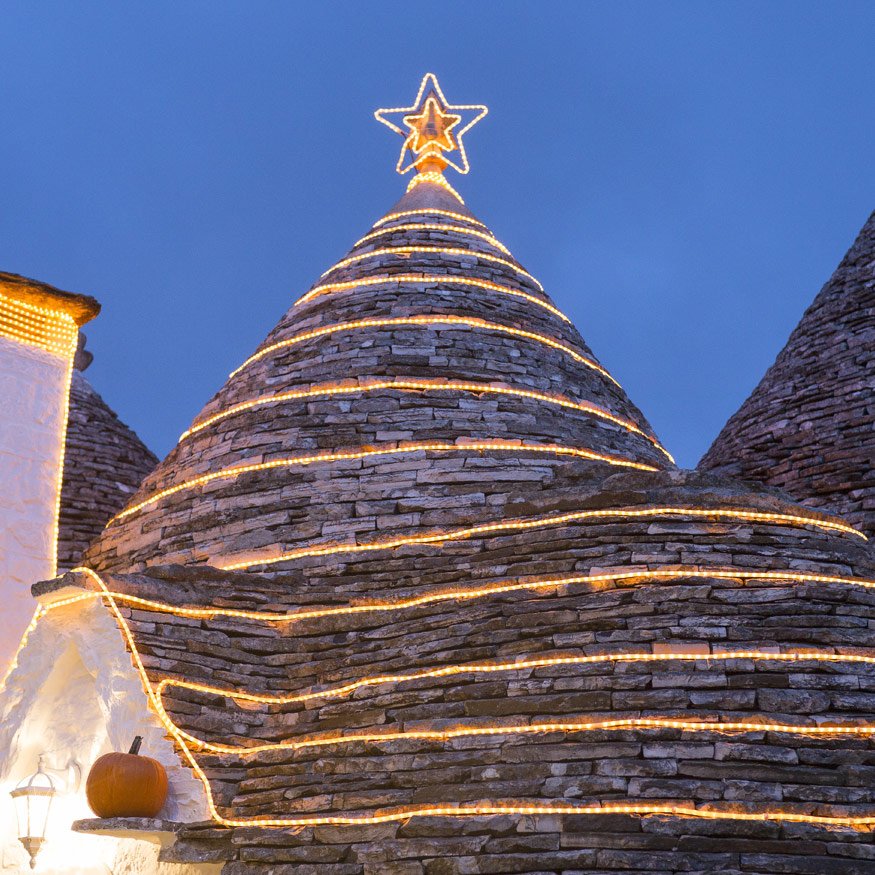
74, 695
32, 405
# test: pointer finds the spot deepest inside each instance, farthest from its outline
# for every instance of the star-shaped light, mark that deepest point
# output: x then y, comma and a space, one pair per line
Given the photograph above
429, 128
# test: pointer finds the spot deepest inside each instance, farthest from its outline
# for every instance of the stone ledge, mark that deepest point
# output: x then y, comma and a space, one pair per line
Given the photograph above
149, 829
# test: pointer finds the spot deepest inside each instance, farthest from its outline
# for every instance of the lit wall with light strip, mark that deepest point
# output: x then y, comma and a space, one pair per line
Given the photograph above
400, 384
449, 214
434, 226
408, 250
444, 280
37, 347
52, 331
434, 178
540, 522
436, 320
464, 447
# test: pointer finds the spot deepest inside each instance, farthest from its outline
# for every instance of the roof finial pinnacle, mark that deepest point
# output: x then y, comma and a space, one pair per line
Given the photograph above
432, 129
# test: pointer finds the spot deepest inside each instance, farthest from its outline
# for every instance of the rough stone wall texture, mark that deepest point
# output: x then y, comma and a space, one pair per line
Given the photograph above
263, 513
104, 463
32, 386
809, 426
739, 770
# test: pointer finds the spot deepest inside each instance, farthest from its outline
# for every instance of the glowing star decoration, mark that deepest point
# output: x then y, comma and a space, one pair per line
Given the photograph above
432, 129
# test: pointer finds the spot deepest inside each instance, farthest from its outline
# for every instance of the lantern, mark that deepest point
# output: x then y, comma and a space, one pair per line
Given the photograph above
33, 800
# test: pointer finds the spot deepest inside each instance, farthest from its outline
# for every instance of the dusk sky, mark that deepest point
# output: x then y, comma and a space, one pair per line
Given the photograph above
681, 177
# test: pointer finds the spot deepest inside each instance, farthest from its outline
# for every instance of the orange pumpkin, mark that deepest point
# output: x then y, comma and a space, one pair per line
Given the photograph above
126, 784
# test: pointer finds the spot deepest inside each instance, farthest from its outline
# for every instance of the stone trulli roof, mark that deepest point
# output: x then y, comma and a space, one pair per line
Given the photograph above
427, 338
427, 679
104, 463
809, 426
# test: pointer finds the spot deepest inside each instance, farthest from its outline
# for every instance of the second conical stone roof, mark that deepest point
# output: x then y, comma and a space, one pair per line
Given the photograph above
423, 379
809, 426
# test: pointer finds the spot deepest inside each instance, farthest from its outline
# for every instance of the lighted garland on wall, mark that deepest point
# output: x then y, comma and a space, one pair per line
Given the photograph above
426, 320
480, 808
434, 226
518, 664
538, 727
514, 585
467, 809
463, 446
403, 214
429, 279
52, 331
461, 595
436, 179
401, 384
506, 526
486, 808
407, 250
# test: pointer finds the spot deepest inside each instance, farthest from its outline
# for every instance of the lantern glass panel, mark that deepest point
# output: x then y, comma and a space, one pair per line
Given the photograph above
33, 800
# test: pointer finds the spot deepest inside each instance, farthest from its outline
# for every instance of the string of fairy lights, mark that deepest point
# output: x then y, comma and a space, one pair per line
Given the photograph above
431, 211
408, 250
402, 384
569, 725
464, 446
50, 330
444, 280
440, 227
540, 522
426, 320
436, 179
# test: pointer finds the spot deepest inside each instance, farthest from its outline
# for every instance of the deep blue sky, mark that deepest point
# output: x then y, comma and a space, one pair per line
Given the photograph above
682, 177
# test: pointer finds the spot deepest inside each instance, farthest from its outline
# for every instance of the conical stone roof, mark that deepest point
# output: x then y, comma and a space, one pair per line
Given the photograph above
809, 426
104, 463
419, 381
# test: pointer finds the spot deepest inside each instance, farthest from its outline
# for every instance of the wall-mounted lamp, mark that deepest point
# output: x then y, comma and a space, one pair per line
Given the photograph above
33, 801
33, 797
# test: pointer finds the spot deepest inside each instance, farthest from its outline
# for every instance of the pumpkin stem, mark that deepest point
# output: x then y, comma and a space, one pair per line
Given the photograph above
135, 747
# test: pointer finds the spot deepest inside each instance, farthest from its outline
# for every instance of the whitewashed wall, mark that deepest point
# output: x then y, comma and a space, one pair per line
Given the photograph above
33, 384
73, 696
